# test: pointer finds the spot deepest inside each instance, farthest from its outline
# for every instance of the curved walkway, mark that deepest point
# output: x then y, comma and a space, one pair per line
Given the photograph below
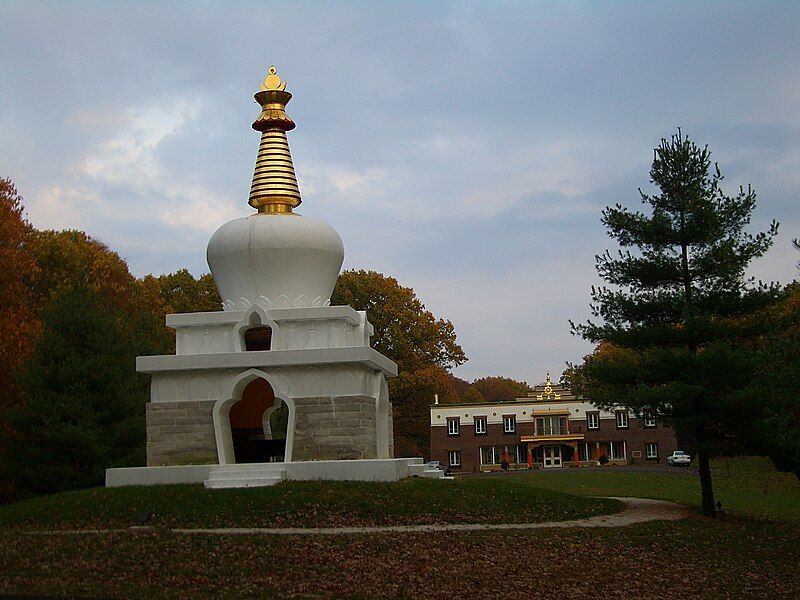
637, 510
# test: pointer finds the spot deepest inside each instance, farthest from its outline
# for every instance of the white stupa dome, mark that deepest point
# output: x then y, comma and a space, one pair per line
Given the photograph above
275, 261
274, 258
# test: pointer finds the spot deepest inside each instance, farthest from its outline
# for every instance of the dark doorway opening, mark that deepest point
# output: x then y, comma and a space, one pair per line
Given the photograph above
253, 442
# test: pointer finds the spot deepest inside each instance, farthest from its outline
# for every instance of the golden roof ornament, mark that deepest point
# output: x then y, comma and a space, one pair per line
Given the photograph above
274, 189
548, 390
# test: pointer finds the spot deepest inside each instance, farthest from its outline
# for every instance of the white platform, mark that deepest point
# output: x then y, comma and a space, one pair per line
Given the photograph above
263, 474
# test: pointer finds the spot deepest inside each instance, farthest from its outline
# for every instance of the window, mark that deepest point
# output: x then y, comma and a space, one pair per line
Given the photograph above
551, 426
522, 454
616, 450
454, 458
480, 425
453, 427
592, 420
489, 455
649, 419
258, 338
583, 451
651, 450
622, 420
509, 424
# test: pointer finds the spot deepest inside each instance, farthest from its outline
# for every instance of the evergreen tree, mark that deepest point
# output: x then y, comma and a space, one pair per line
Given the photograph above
668, 330
83, 402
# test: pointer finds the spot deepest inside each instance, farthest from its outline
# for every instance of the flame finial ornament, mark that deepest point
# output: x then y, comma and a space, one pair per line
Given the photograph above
272, 81
274, 189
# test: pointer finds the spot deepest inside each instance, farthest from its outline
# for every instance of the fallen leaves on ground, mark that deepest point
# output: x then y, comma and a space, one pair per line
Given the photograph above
695, 558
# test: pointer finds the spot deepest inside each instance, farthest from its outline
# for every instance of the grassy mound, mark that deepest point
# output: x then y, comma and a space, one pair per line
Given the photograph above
305, 504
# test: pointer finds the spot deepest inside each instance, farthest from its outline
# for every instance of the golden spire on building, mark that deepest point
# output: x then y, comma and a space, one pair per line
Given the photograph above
274, 189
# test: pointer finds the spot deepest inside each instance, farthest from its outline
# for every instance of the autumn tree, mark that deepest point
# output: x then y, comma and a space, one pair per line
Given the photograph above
412, 393
182, 292
460, 386
86, 347
66, 257
19, 326
473, 396
499, 389
404, 330
423, 347
676, 284
773, 394
18, 323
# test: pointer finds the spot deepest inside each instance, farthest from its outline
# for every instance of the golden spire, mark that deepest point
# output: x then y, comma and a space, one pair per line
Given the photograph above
274, 189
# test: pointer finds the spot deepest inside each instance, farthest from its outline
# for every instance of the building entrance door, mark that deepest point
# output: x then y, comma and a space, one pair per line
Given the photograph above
552, 456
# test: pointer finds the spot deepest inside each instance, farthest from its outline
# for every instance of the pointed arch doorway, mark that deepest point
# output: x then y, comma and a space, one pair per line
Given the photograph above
258, 423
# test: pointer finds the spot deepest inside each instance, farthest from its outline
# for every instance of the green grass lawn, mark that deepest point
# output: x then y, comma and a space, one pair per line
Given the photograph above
748, 487
305, 504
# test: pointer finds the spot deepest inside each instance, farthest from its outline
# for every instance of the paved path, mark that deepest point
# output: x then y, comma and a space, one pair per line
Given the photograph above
637, 510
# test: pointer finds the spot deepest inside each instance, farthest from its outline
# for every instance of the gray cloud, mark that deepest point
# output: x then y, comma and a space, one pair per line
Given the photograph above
466, 148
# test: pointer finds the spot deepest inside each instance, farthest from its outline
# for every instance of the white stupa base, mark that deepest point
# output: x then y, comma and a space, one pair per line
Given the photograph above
262, 474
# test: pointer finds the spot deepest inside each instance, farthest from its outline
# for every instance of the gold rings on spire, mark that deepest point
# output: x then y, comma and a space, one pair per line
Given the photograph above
274, 189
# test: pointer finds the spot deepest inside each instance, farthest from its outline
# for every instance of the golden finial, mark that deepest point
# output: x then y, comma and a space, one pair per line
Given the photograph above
274, 189
272, 81
548, 390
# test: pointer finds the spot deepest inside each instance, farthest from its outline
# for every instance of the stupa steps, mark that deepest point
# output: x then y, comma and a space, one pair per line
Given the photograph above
424, 471
245, 475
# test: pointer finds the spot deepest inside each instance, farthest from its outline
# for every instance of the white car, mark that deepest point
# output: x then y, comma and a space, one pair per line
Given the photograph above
679, 458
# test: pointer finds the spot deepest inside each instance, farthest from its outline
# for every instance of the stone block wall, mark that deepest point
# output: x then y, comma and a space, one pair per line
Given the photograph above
335, 428
180, 433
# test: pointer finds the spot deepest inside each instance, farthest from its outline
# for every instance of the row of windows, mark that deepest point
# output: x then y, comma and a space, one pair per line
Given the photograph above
547, 425
593, 419
494, 455
509, 425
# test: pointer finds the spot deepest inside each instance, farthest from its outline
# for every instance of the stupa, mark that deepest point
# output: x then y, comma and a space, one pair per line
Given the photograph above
279, 384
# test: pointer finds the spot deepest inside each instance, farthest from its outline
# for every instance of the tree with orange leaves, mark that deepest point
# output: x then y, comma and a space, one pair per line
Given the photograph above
423, 347
18, 323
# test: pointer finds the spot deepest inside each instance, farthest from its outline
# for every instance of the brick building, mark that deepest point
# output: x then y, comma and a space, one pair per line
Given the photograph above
550, 427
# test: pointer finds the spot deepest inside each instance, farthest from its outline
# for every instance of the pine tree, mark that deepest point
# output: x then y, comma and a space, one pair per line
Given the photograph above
83, 402
669, 323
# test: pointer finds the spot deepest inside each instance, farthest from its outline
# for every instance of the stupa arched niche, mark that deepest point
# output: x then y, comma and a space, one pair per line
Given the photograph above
275, 271
255, 319
232, 395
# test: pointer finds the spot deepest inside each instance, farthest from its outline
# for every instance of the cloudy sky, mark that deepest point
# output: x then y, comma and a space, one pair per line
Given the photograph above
465, 148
